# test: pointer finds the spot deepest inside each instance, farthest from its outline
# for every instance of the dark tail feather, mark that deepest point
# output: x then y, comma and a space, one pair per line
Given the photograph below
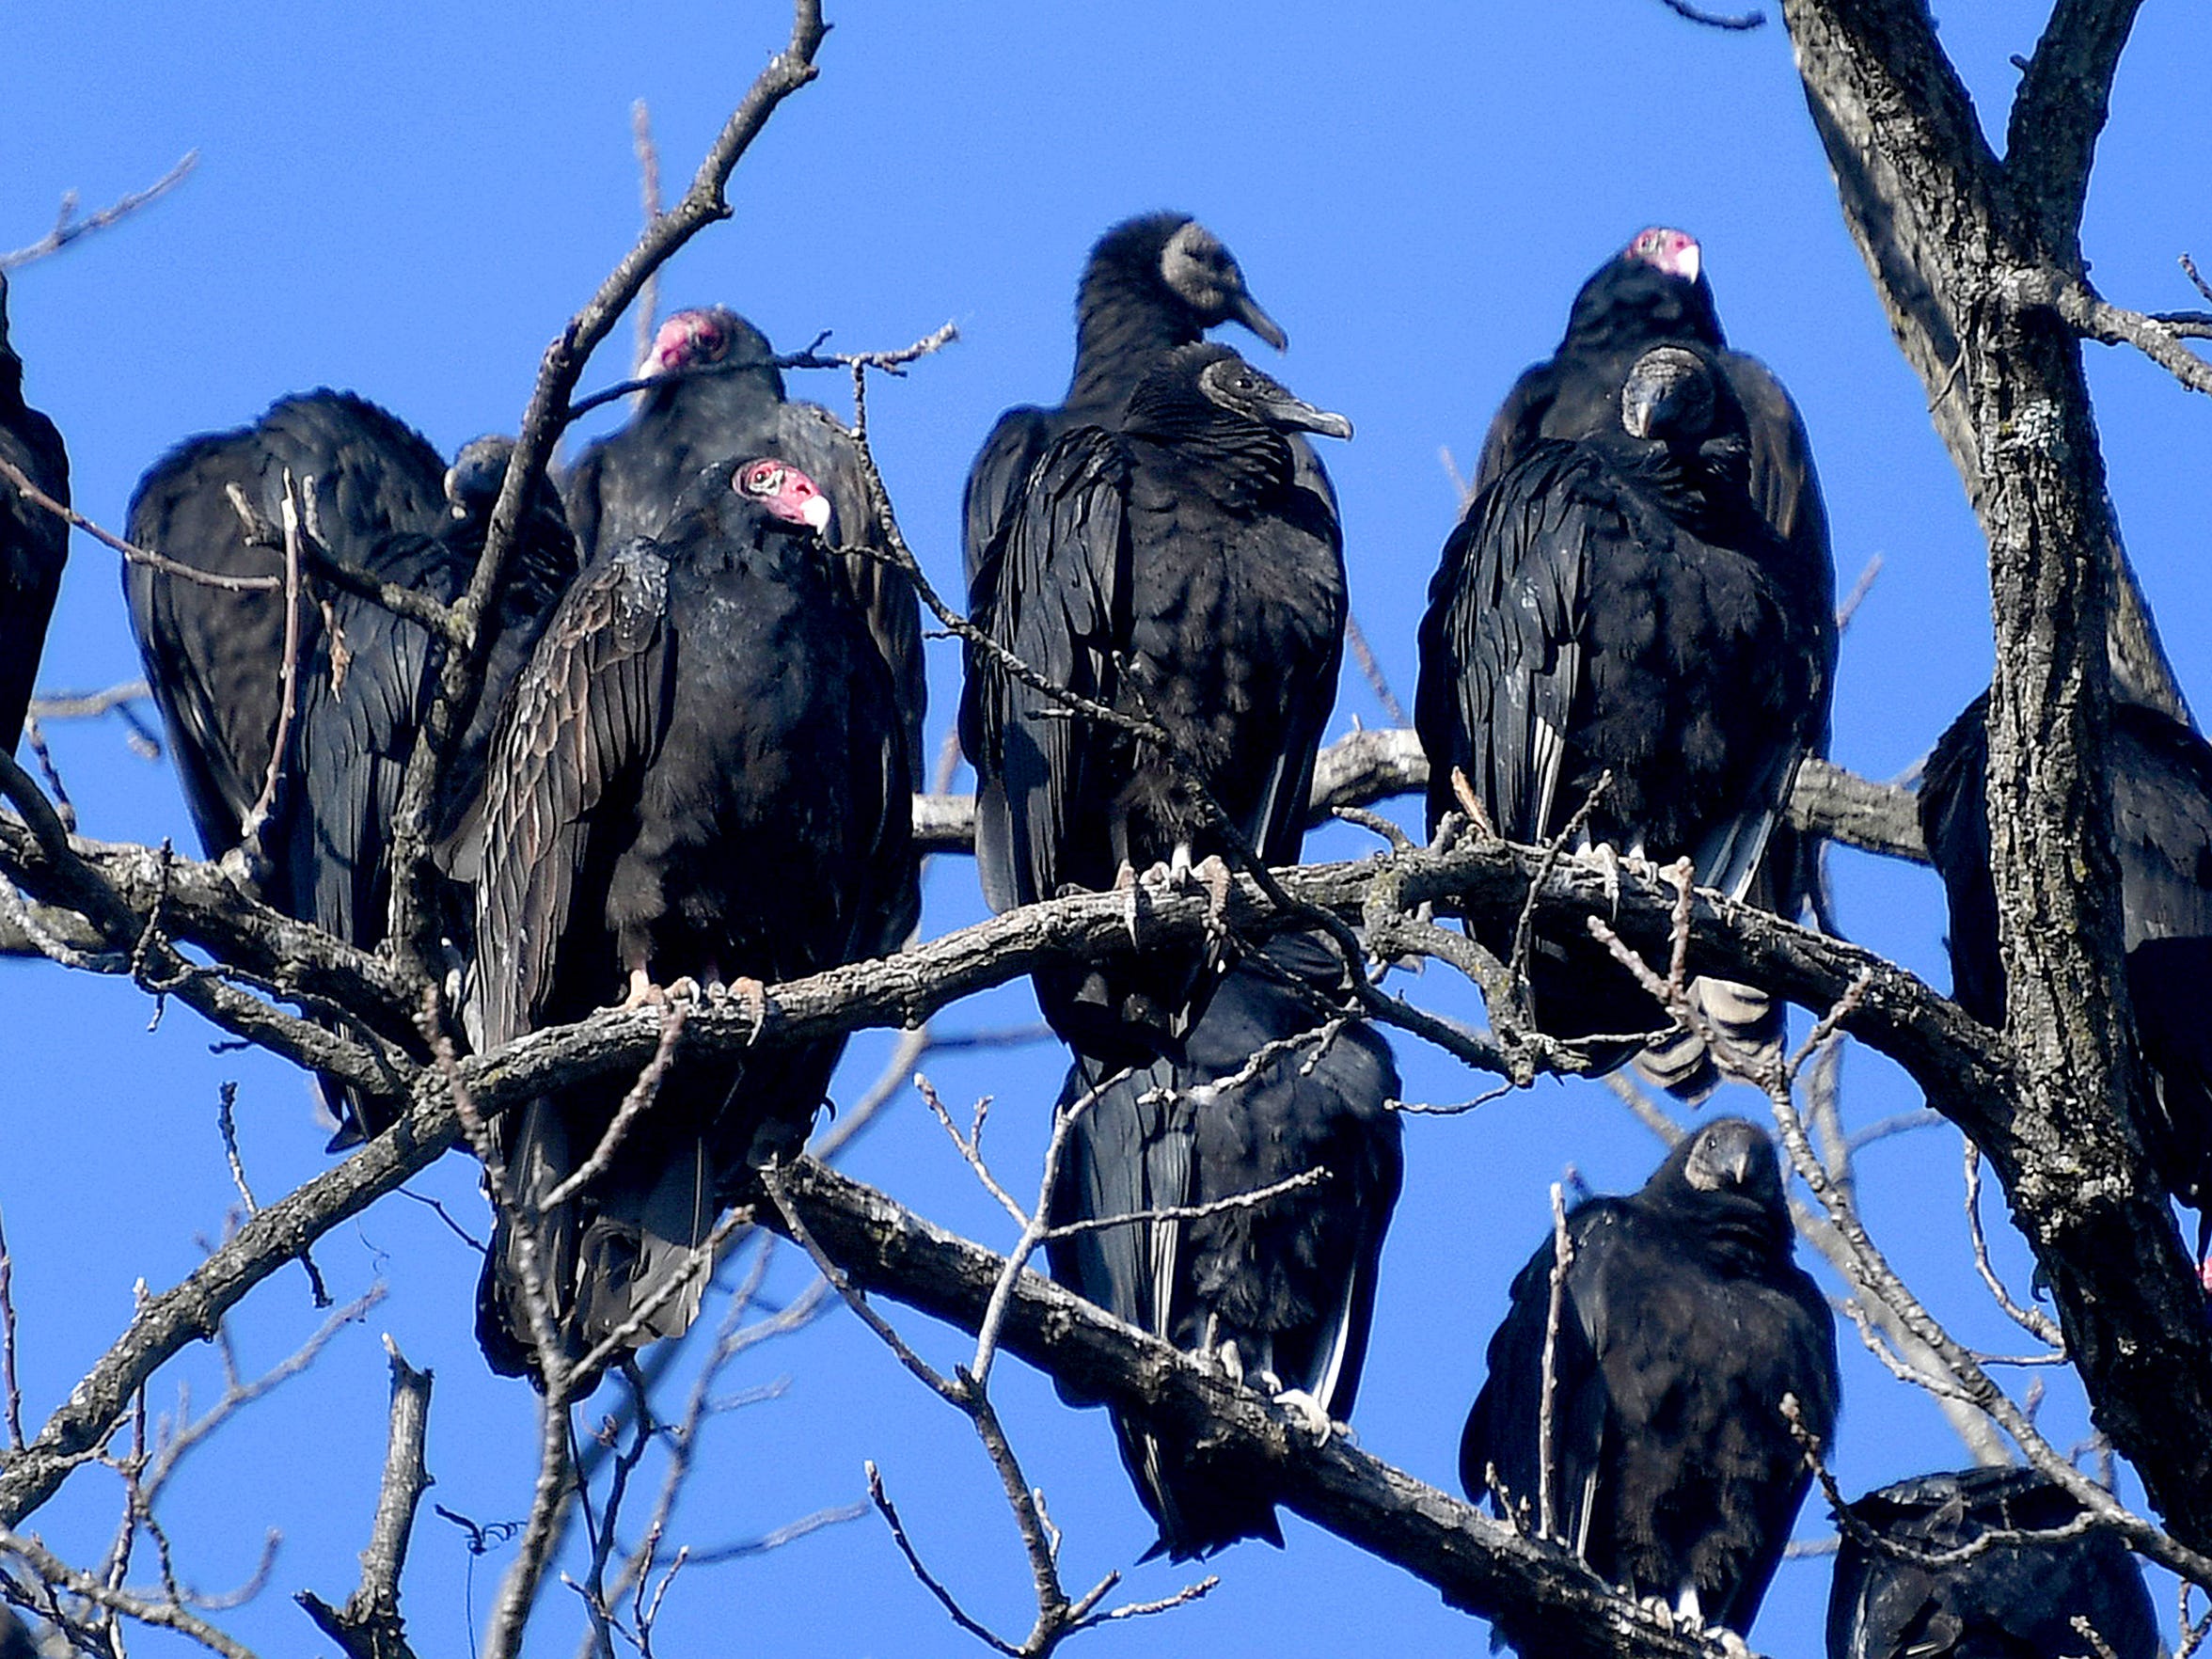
1749, 1024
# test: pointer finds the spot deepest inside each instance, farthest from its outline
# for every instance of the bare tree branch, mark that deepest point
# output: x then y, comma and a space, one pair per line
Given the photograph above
68, 228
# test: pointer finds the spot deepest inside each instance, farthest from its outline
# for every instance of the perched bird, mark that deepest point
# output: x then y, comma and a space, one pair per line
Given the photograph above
717, 395
1151, 284
2161, 782
1616, 603
1171, 567
1281, 1293
2011, 1601
699, 785
1654, 292
215, 656
34, 543
1684, 1324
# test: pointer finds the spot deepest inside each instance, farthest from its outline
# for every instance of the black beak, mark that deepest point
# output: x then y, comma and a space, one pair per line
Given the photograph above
1247, 311
1290, 414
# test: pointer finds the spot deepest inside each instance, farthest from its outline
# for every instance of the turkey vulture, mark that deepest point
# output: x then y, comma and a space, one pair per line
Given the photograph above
33, 542
214, 656
1617, 603
1169, 565
2013, 1601
2161, 782
702, 777
1654, 292
718, 396
1151, 284
1684, 1322
1282, 1292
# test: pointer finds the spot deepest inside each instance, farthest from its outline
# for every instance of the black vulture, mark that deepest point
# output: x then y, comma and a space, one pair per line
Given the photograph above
718, 396
1151, 284
1654, 292
214, 657
2162, 782
34, 543
698, 781
1617, 603
2011, 1601
1282, 1293
1169, 566
16, 1641
1684, 1322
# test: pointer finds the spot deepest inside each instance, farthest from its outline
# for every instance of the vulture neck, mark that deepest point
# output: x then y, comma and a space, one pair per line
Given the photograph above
1728, 1227
735, 393
1628, 309
1235, 461
1124, 321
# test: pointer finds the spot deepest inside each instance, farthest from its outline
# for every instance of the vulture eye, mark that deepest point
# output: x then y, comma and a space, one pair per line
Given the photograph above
762, 477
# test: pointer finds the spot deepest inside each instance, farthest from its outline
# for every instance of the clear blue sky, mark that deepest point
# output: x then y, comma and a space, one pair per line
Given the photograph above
409, 200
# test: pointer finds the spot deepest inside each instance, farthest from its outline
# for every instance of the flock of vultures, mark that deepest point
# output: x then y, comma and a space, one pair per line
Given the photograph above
689, 770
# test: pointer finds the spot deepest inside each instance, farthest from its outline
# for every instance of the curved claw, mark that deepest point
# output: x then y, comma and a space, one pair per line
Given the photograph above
1308, 1413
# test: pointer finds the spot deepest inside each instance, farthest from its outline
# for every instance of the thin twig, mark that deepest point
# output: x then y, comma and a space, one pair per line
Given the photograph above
1547, 1401
2037, 1323
68, 228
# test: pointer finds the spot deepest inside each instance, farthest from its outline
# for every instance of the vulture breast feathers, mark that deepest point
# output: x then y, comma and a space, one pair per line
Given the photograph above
1617, 604
1171, 567
34, 543
701, 776
2161, 784
1282, 1291
717, 395
1686, 1322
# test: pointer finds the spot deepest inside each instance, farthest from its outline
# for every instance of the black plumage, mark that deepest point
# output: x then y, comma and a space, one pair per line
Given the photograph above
1685, 1321
1285, 1292
2161, 782
1171, 566
2011, 1601
1654, 292
1616, 603
1151, 284
718, 396
214, 657
34, 543
701, 776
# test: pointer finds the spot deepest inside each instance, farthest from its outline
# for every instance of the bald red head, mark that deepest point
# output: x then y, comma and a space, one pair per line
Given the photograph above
687, 340
786, 492
1675, 252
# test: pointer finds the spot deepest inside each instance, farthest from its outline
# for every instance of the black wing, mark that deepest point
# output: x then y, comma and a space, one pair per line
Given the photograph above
1502, 643
2005, 1601
1503, 1433
586, 714
811, 439
34, 546
1002, 466
214, 657
1044, 780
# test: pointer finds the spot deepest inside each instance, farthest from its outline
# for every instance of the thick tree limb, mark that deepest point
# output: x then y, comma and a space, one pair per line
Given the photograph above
1946, 229
1475, 1562
1368, 767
